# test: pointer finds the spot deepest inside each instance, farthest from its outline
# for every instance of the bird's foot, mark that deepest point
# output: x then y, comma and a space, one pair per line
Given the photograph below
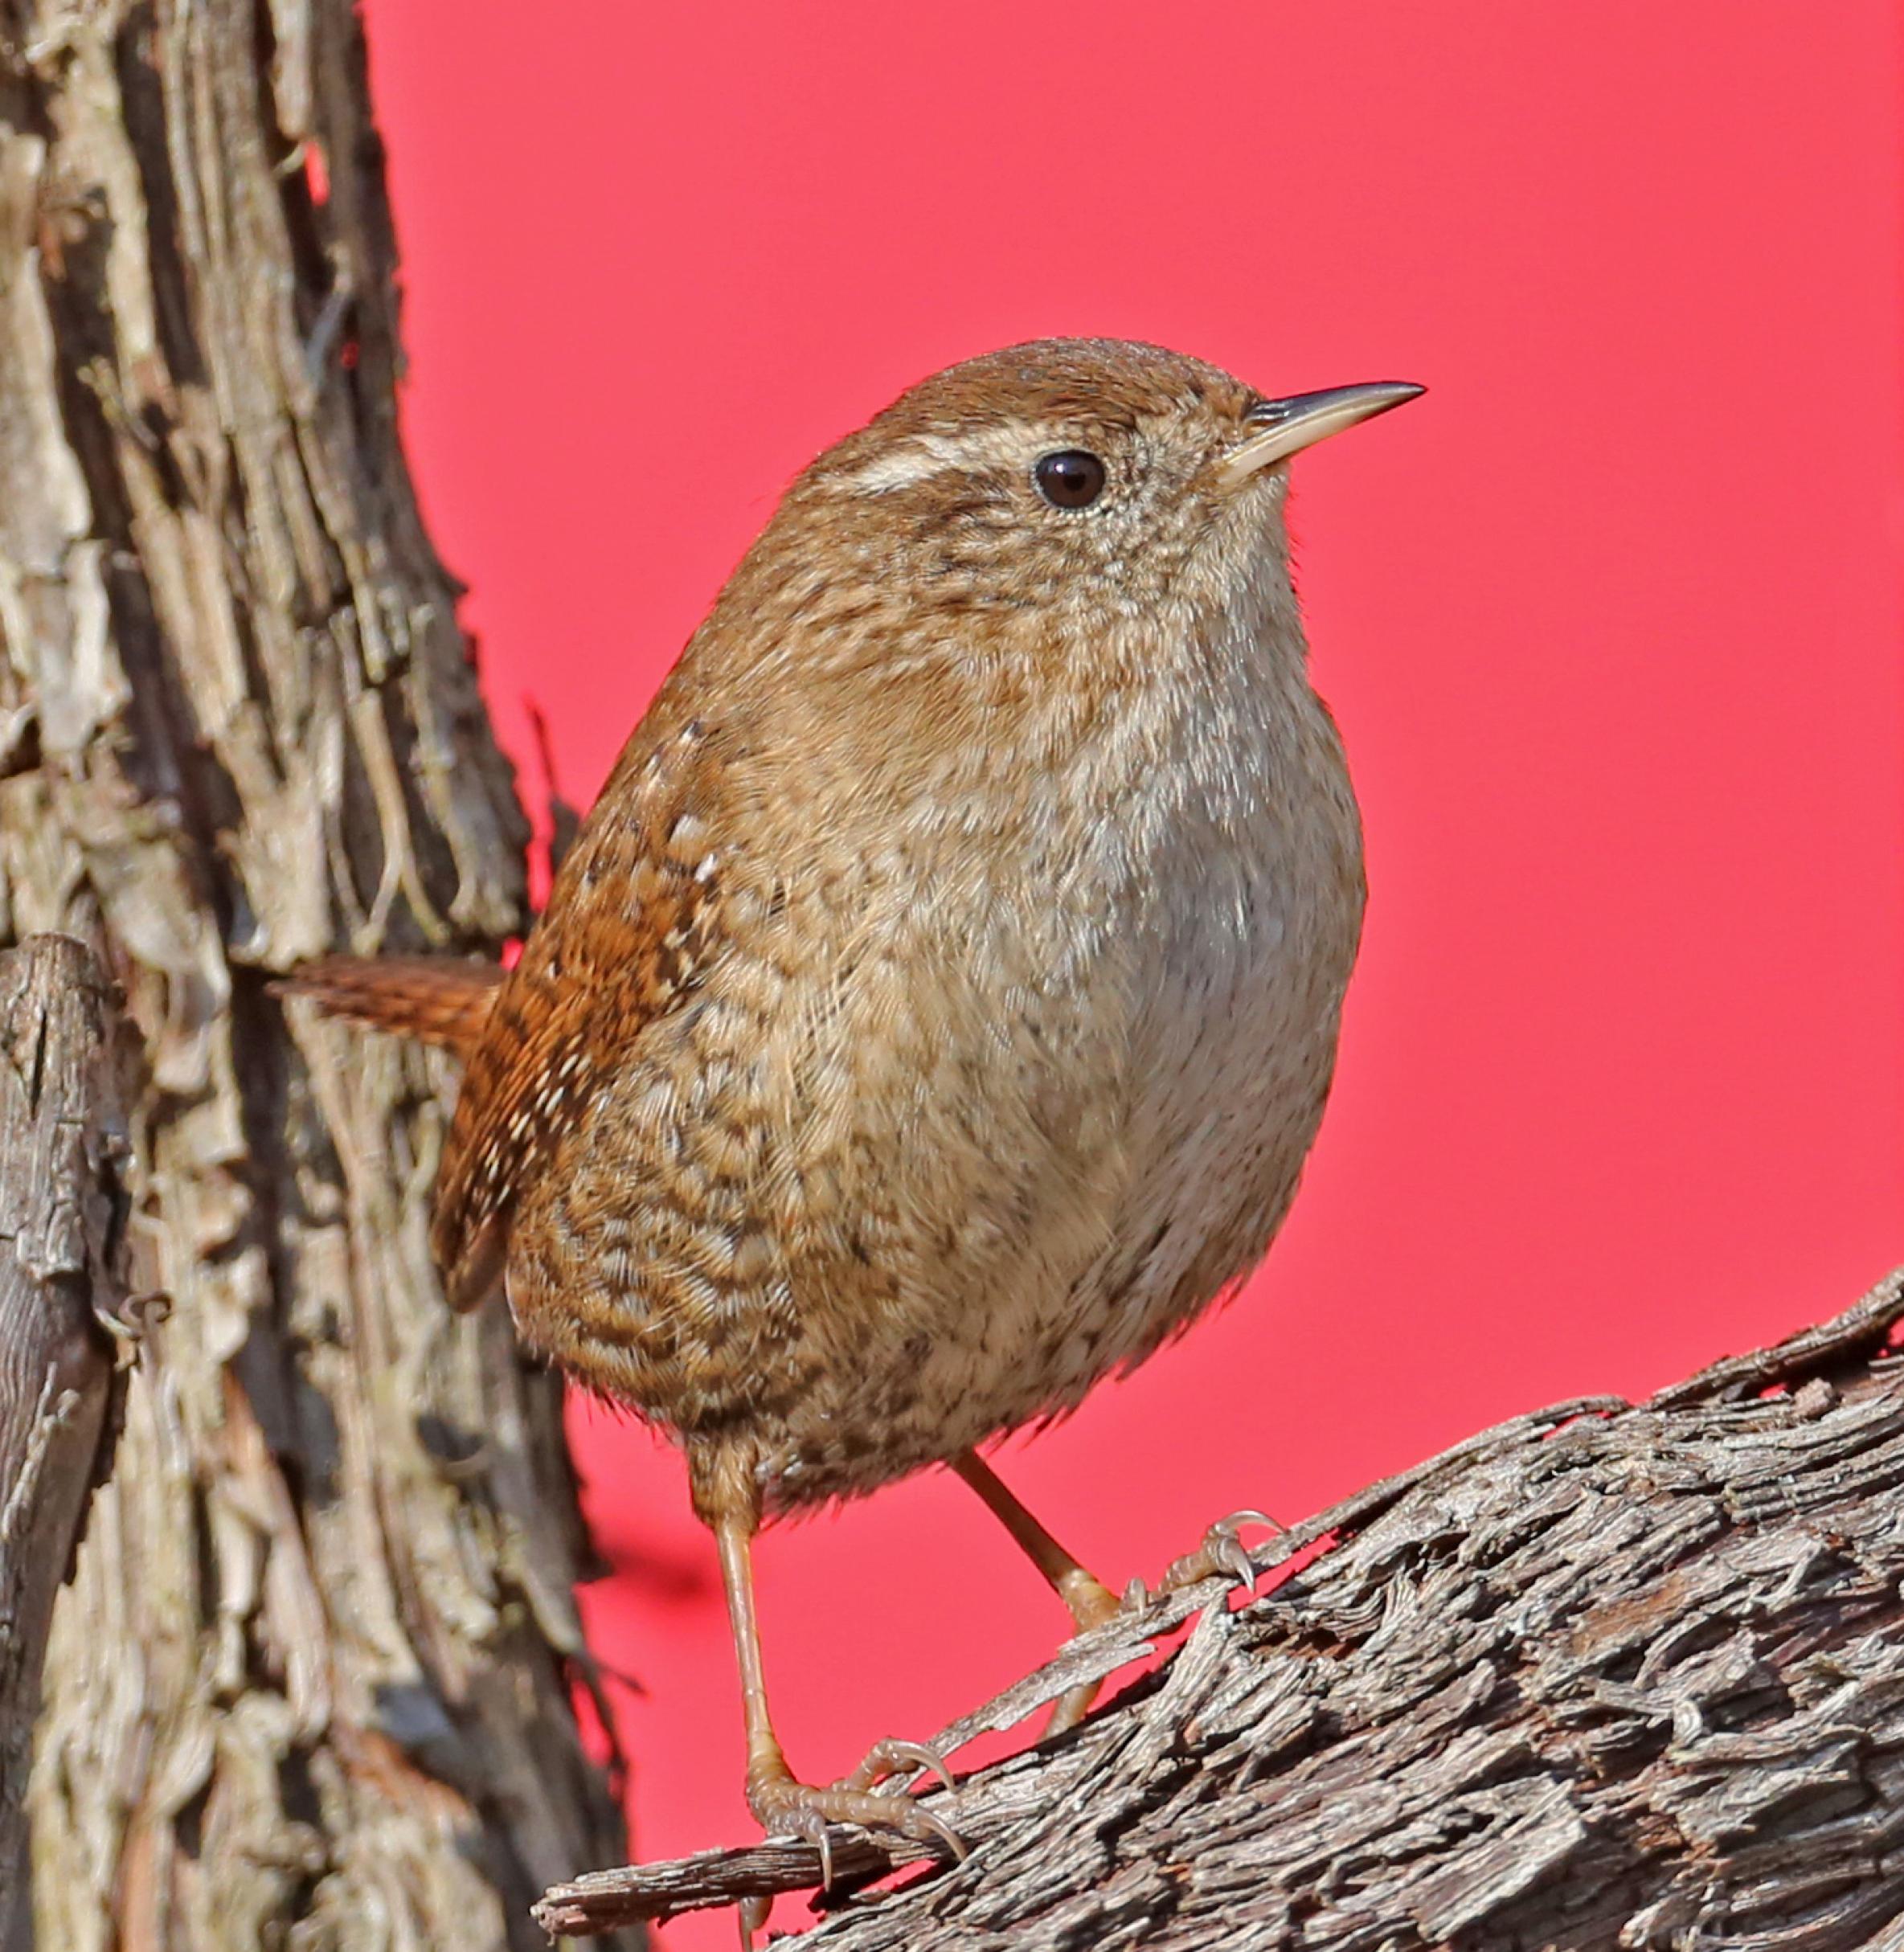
1221, 1551
895, 1757
1091, 1603
783, 1806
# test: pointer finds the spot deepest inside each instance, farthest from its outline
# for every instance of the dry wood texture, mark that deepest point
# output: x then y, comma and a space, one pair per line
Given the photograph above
310, 1685
62, 1141
1606, 1676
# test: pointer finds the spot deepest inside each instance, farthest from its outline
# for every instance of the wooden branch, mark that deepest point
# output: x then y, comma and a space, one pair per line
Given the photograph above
62, 1140
1606, 1676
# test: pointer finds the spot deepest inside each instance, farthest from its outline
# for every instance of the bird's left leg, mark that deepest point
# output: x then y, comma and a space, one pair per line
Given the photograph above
780, 1802
1221, 1551
1089, 1600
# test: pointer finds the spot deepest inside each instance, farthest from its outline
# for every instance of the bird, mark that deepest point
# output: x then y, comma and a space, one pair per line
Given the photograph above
933, 1014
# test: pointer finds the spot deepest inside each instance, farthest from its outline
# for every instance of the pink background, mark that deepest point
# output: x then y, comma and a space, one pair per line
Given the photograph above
1611, 619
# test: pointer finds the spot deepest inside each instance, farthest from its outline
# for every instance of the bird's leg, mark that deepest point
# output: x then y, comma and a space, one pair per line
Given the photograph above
782, 1804
1088, 1599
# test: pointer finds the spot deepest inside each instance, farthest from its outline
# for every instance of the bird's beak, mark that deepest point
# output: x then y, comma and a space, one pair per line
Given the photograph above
1287, 427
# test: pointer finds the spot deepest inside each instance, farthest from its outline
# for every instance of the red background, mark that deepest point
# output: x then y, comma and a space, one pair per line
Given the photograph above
1610, 619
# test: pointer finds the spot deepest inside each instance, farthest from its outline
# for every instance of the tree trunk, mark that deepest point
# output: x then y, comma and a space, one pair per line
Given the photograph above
1608, 1676
310, 1685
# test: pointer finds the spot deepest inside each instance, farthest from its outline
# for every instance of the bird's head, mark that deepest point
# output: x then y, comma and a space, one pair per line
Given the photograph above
1051, 517
1086, 473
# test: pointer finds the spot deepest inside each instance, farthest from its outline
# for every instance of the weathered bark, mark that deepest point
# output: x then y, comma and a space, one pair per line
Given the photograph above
310, 1685
1605, 1677
61, 1139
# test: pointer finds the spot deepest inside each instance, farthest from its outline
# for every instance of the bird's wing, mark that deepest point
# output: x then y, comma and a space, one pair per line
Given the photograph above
631, 921
627, 927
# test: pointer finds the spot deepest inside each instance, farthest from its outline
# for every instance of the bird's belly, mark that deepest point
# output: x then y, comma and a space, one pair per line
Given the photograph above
852, 1232
1219, 1075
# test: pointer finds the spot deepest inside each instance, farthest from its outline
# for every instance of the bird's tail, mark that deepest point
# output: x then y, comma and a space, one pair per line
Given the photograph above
435, 999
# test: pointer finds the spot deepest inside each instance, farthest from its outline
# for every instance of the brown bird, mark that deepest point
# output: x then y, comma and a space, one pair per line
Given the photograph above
935, 1011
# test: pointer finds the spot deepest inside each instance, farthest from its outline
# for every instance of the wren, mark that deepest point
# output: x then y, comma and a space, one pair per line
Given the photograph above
934, 1013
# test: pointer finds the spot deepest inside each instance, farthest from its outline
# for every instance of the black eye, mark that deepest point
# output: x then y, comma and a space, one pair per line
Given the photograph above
1070, 480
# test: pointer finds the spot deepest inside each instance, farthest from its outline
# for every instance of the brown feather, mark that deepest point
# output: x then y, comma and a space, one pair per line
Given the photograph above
617, 947
435, 999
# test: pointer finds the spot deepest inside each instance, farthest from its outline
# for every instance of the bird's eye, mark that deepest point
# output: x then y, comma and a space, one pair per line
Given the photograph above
1072, 479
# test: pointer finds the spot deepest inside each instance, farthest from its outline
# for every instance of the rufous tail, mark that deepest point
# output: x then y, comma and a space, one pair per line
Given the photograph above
435, 999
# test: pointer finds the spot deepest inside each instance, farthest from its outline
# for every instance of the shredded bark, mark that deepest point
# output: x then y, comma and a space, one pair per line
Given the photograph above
311, 1684
62, 1141
1610, 1675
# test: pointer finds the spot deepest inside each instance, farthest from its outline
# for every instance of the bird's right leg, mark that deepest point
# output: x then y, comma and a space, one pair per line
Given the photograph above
1087, 1599
782, 1804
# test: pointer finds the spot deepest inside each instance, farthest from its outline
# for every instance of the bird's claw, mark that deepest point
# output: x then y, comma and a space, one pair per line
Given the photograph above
784, 1807
891, 1756
1221, 1551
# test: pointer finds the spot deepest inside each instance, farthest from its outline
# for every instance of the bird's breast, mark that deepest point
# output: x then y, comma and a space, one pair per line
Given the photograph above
1241, 902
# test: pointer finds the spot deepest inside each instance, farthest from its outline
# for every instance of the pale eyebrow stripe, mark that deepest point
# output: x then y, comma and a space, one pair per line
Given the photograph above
920, 457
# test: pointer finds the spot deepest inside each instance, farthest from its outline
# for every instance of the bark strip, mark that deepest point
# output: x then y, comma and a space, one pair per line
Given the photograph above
62, 1141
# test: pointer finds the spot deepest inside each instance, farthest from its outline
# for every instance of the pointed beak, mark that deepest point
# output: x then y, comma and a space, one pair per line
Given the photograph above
1282, 427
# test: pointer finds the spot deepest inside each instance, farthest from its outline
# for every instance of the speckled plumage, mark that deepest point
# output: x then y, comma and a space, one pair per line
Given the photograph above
939, 1001
938, 1005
